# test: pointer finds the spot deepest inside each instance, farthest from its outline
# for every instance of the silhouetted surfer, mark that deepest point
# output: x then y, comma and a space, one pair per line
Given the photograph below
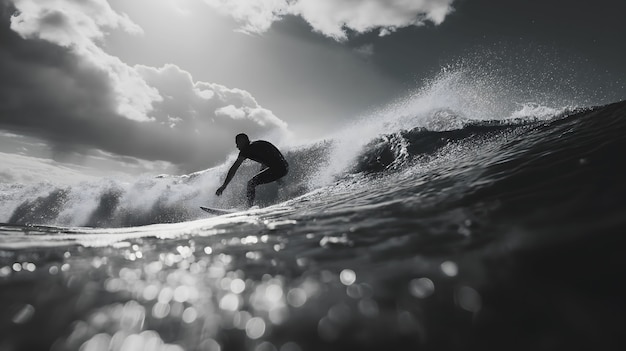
274, 164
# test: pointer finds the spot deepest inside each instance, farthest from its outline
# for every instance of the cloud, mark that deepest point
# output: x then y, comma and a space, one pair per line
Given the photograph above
58, 84
68, 23
192, 104
334, 18
78, 25
256, 16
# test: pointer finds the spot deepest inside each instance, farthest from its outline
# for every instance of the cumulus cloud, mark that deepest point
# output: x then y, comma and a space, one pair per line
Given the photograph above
255, 16
68, 23
334, 18
192, 103
77, 25
59, 84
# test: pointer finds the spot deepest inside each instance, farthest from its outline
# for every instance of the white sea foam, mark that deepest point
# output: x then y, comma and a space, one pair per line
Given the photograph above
457, 95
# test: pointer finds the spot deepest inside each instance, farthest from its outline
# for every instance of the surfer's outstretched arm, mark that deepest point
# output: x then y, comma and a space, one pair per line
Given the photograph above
230, 175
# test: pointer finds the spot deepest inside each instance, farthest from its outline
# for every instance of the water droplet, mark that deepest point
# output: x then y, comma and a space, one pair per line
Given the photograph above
255, 328
347, 277
274, 292
302, 262
240, 319
24, 314
369, 308
335, 241
296, 297
166, 295
160, 310
469, 299
253, 255
150, 292
237, 286
450, 268
327, 276
189, 315
181, 294
265, 346
327, 330
5, 271
465, 231
230, 302
225, 283
421, 288
278, 315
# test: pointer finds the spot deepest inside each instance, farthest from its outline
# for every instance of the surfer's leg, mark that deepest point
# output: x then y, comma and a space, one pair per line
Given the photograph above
268, 175
250, 193
259, 178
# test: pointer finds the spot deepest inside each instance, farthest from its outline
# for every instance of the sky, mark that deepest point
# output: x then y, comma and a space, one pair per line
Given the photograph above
163, 86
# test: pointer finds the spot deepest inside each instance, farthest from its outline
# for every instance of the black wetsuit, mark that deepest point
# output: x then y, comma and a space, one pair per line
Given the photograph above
267, 154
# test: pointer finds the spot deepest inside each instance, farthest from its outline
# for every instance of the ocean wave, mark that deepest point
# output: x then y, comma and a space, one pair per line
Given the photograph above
161, 199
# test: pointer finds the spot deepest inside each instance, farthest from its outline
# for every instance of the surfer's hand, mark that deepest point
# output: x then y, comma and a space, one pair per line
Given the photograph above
219, 191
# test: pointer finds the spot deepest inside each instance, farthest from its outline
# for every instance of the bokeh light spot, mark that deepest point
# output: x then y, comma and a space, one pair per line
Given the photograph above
421, 288
255, 328
450, 268
347, 277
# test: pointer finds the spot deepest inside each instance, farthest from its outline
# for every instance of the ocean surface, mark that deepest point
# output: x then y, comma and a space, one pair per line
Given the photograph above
421, 228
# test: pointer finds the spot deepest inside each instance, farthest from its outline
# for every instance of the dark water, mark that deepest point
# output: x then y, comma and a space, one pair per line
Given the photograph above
493, 235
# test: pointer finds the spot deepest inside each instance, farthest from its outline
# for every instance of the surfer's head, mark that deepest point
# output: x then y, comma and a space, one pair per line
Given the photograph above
242, 141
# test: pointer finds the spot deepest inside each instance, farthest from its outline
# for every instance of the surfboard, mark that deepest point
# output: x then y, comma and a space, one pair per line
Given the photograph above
219, 211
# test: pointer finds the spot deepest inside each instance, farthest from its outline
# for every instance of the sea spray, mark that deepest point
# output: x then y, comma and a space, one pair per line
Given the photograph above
457, 97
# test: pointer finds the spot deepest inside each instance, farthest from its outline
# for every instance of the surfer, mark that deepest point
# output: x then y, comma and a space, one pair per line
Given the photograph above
273, 164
